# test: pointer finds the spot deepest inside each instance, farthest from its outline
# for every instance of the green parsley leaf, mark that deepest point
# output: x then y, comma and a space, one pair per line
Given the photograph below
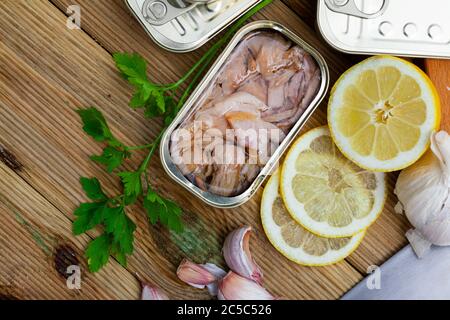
173, 221
165, 211
94, 124
138, 100
122, 228
89, 215
171, 110
132, 66
118, 237
147, 95
118, 254
156, 105
98, 252
112, 158
160, 101
132, 184
142, 95
93, 189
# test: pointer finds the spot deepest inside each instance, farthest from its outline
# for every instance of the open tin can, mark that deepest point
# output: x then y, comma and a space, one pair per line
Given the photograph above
413, 28
185, 25
192, 106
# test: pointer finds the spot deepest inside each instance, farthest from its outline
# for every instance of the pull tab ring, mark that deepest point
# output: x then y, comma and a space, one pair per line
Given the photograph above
159, 12
350, 8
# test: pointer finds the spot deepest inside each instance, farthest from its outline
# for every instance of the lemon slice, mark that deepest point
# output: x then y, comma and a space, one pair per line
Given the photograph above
327, 193
382, 112
295, 242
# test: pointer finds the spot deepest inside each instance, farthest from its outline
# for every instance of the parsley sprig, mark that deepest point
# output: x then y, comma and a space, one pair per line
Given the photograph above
109, 212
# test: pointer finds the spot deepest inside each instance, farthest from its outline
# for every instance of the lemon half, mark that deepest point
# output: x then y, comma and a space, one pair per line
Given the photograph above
294, 241
382, 112
325, 192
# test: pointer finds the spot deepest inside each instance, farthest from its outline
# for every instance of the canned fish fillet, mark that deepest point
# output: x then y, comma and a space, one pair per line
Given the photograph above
244, 114
407, 28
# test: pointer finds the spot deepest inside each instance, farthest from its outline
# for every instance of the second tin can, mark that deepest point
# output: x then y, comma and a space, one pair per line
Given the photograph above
414, 28
190, 107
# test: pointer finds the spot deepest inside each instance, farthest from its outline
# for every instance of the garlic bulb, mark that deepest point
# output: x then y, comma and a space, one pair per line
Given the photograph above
423, 191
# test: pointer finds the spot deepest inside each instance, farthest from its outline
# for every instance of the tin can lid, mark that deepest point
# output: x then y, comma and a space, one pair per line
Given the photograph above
384, 27
183, 26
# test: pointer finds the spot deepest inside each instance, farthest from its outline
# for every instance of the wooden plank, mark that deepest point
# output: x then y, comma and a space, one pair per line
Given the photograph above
386, 236
305, 9
37, 247
42, 85
438, 70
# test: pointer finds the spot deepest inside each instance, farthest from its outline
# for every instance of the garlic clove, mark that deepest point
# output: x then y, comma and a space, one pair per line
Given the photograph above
152, 293
236, 252
440, 146
236, 287
218, 273
199, 276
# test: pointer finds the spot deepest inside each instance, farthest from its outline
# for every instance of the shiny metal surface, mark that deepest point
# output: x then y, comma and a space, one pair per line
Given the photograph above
187, 110
414, 28
349, 7
159, 12
179, 26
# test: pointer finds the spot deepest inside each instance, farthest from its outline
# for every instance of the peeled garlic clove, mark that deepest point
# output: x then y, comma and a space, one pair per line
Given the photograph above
152, 293
199, 276
236, 252
236, 287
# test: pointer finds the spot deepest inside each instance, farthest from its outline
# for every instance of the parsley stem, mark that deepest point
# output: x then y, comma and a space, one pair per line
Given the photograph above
154, 146
116, 200
146, 146
147, 179
203, 61
193, 83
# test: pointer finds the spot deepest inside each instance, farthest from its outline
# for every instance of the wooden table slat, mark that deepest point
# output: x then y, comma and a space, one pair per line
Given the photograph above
37, 247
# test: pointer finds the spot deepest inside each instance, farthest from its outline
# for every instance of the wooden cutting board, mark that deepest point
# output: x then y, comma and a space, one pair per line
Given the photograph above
47, 71
439, 72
